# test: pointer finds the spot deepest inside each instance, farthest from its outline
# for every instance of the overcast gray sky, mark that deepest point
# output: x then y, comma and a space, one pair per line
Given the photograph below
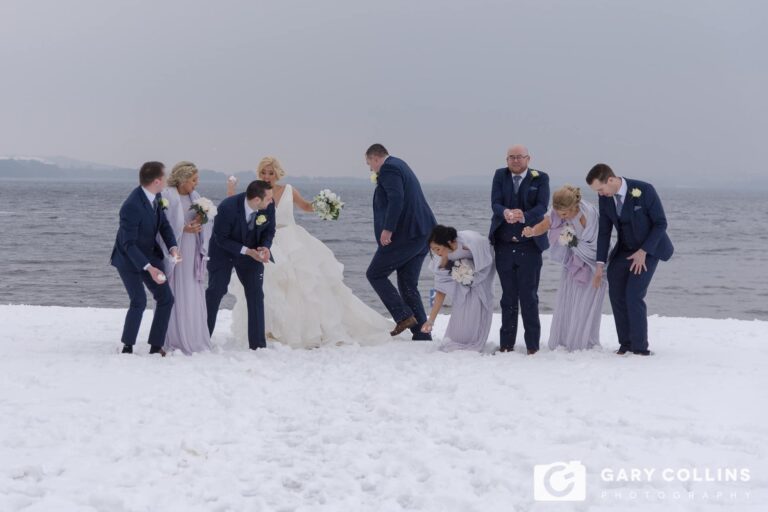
655, 88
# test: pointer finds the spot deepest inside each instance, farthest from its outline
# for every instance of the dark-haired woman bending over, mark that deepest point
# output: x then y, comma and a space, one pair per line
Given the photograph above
463, 268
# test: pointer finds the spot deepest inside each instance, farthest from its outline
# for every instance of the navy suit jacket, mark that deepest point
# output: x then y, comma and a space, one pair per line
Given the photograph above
230, 233
399, 204
532, 198
647, 220
136, 242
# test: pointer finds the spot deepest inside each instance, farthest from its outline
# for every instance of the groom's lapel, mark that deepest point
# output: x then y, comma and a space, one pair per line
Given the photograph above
149, 208
145, 201
629, 201
509, 190
241, 217
610, 210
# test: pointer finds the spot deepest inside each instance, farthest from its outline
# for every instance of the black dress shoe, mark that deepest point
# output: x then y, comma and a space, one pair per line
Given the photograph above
157, 350
403, 325
127, 349
507, 349
642, 352
622, 351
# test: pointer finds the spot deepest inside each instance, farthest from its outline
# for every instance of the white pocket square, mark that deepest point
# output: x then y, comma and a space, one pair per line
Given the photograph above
638, 208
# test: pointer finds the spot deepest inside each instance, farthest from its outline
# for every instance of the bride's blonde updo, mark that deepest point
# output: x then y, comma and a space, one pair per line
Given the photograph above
275, 163
566, 198
182, 172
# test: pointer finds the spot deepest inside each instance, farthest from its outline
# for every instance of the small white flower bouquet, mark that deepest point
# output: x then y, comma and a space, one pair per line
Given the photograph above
568, 237
205, 208
327, 205
463, 271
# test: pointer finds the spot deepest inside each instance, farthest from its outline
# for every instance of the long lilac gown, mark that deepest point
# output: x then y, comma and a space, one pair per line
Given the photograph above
578, 305
471, 306
188, 328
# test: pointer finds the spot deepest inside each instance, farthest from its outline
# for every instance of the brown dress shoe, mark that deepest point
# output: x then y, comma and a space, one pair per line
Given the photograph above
532, 351
403, 325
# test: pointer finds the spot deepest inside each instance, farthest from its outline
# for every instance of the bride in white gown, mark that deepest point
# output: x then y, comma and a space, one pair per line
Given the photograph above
306, 302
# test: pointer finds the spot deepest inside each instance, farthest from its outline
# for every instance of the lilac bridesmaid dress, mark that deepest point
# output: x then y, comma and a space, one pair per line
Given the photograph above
578, 306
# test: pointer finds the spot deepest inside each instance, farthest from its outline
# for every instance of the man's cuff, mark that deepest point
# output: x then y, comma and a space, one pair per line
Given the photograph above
146, 266
172, 248
243, 250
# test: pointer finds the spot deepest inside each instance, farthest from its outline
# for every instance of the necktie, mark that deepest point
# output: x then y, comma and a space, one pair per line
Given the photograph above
516, 180
619, 204
252, 220
155, 202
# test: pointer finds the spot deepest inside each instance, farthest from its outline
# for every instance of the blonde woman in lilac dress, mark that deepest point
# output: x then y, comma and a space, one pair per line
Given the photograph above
472, 299
572, 225
187, 328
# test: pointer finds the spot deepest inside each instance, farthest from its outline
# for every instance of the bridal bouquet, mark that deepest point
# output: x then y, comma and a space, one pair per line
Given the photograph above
328, 205
205, 208
568, 237
463, 271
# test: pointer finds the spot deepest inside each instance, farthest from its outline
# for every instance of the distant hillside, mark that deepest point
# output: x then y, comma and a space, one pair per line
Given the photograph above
68, 169
31, 168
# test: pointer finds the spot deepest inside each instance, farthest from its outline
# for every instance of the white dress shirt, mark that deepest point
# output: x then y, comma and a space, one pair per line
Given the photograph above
151, 198
248, 212
623, 193
522, 177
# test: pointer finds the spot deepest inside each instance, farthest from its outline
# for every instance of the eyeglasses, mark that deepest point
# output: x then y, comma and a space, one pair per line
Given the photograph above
517, 157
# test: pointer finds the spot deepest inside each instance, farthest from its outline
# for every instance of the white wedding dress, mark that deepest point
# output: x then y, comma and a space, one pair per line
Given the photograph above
306, 303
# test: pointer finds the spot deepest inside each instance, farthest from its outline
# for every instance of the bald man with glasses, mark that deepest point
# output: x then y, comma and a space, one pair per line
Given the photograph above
519, 198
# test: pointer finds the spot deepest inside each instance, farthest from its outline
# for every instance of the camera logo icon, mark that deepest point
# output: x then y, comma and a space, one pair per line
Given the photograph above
560, 481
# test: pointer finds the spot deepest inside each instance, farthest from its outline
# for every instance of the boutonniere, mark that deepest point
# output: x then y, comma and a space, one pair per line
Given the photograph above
534, 174
374, 178
164, 203
261, 219
636, 192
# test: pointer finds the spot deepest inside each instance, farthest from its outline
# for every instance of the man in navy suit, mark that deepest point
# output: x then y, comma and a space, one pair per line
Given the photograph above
519, 198
242, 237
139, 259
402, 222
634, 209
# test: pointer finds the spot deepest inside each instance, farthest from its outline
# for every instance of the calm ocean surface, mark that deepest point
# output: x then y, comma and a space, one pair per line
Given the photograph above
57, 239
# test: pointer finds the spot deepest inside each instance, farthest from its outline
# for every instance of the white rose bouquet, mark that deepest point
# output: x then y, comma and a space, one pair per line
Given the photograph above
327, 205
568, 237
205, 208
463, 271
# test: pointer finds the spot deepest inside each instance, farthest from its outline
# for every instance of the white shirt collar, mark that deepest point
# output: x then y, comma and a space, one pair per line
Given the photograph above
623, 189
522, 174
248, 209
149, 195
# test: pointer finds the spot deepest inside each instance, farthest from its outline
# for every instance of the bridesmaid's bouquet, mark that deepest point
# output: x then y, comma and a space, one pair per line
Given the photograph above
205, 208
463, 271
568, 237
327, 205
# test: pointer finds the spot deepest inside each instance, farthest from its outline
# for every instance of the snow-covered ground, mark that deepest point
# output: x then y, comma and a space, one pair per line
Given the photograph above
393, 427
